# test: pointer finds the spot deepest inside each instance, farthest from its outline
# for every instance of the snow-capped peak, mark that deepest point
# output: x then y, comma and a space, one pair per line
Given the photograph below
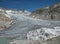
8, 11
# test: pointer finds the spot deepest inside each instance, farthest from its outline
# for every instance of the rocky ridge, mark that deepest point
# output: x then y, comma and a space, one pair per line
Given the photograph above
48, 13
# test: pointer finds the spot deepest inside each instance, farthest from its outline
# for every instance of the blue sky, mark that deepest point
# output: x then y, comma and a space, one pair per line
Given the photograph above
30, 5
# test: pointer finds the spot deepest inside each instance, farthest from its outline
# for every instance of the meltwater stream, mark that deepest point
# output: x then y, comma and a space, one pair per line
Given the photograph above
24, 24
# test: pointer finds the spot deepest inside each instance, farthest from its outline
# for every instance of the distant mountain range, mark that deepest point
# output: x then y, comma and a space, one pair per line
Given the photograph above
14, 11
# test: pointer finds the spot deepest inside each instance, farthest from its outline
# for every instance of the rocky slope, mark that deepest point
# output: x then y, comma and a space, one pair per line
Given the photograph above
5, 21
50, 12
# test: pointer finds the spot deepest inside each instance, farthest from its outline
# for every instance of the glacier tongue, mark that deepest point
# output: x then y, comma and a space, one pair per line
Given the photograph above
43, 33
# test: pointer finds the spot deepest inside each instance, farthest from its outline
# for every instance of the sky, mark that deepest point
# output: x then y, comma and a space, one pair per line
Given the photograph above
29, 5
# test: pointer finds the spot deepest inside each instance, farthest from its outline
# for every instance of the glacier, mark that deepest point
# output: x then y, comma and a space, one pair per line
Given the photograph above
24, 24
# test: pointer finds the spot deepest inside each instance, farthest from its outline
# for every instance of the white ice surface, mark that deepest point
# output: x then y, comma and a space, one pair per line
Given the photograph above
24, 24
43, 33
